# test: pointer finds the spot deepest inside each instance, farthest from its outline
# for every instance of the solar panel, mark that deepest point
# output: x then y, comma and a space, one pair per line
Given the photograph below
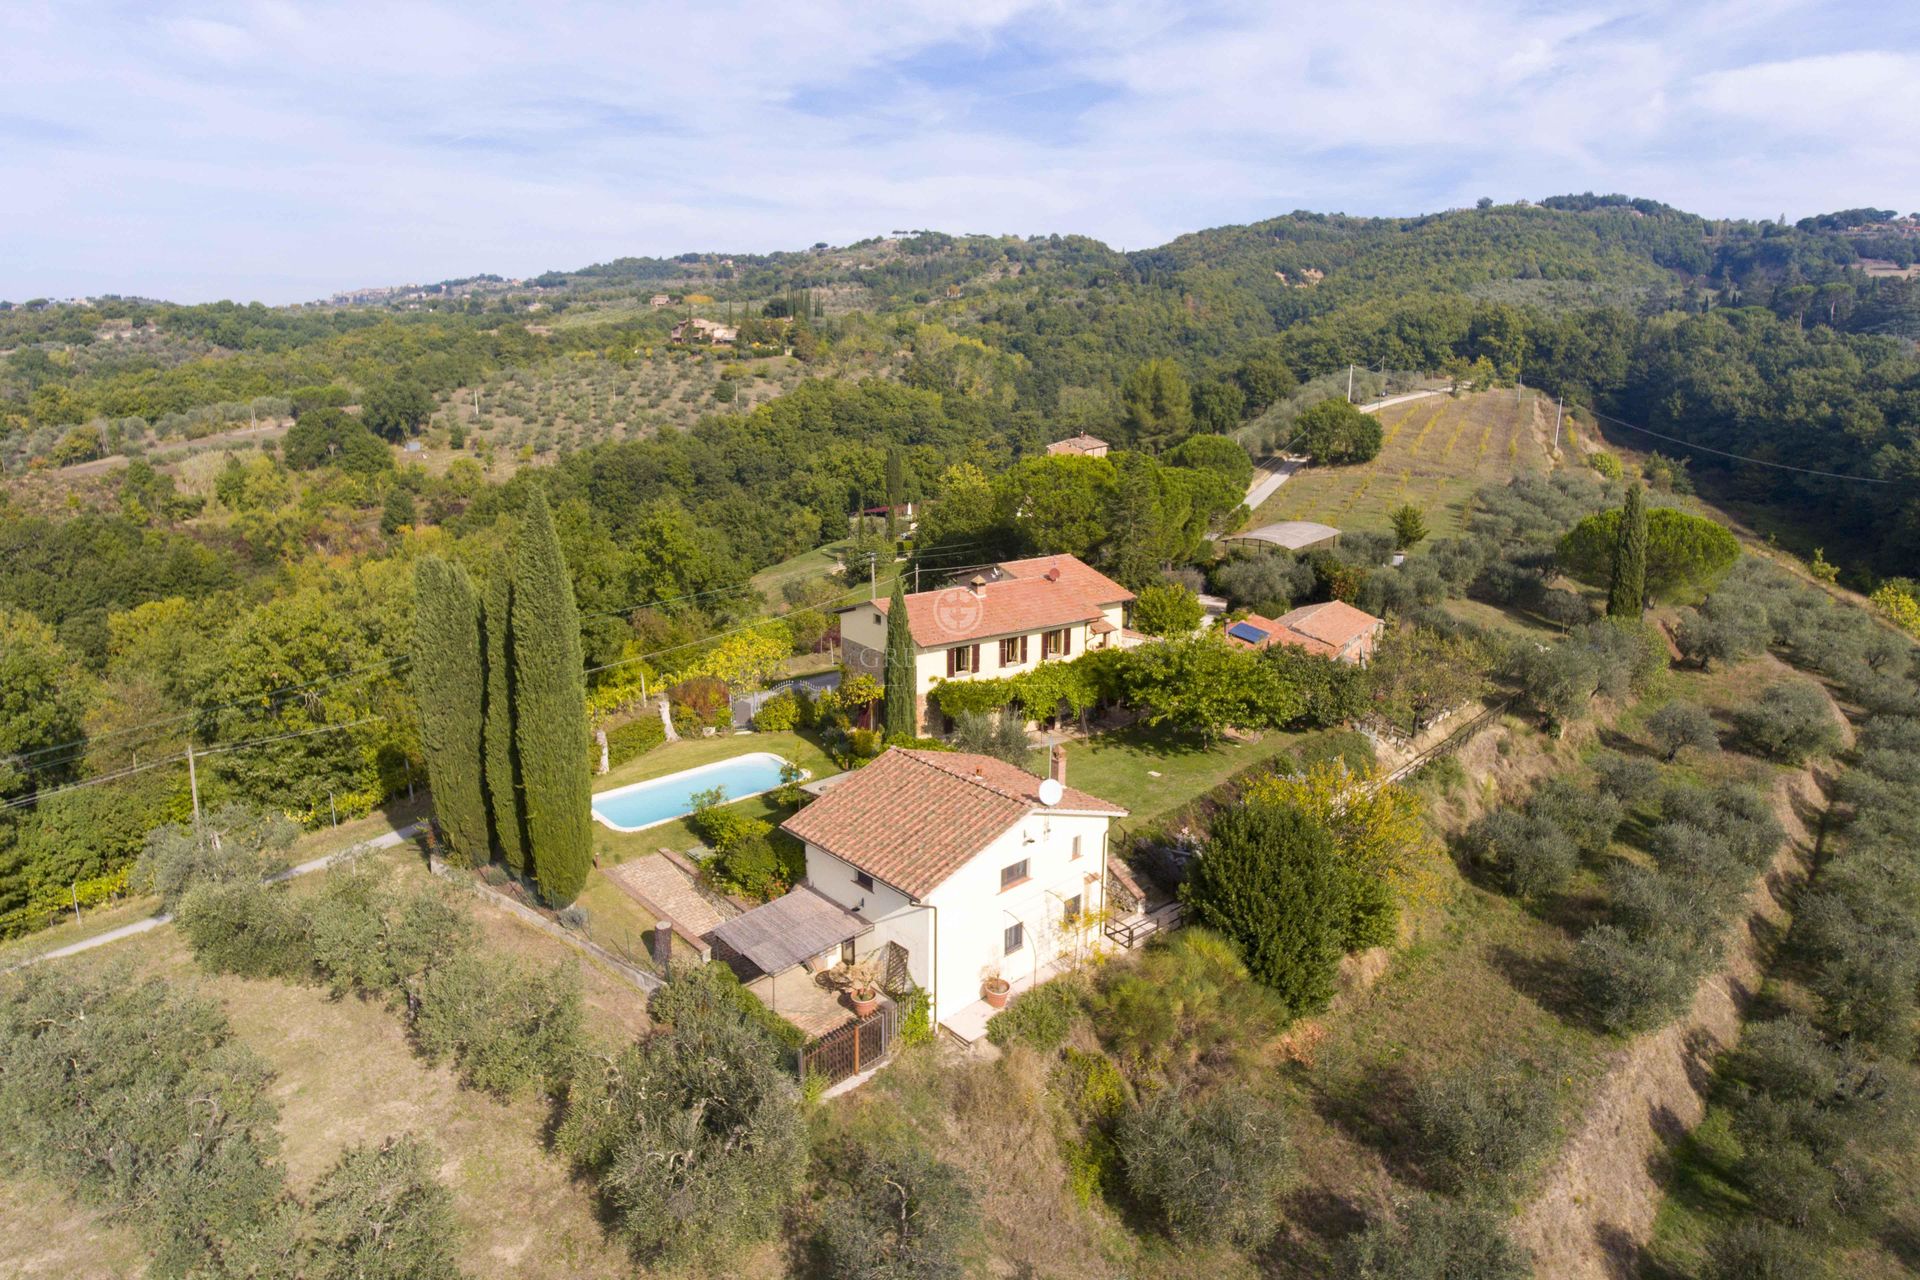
1246, 631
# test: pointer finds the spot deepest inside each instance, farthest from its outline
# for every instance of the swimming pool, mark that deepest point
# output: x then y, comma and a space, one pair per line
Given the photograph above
646, 804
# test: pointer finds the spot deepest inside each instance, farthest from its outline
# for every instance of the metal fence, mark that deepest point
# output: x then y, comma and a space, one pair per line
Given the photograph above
854, 1047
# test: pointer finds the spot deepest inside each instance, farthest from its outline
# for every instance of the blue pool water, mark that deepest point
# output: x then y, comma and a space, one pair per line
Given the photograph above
643, 804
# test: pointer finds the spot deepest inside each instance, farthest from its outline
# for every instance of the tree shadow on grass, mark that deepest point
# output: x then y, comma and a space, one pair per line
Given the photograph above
1318, 1219
1372, 1109
1547, 982
1614, 740
1901, 1238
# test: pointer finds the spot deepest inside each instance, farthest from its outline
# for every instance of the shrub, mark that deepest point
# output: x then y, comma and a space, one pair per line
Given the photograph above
1679, 725
1588, 818
1209, 1168
1432, 1239
703, 697
1040, 1018
244, 927
1167, 609
916, 1018
1188, 999
233, 843
777, 714
1000, 734
901, 1214
694, 1134
634, 738
1757, 1250
381, 1213
1334, 432
1091, 1088
1481, 1128
509, 1029
1271, 882
346, 927
1634, 984
1789, 722
1529, 855
698, 993
1565, 609
1628, 779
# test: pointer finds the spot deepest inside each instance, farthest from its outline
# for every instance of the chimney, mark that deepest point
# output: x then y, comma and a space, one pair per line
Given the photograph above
663, 946
1057, 764
977, 585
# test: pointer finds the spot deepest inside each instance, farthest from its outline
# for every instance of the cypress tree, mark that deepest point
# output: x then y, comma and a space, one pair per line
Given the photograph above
897, 715
503, 758
449, 684
896, 488
1627, 594
550, 709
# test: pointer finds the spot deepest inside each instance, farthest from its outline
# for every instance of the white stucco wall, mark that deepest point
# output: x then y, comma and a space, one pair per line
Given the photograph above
975, 911
895, 918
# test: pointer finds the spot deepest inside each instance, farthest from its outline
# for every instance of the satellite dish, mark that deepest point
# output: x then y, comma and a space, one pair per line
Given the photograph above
1051, 791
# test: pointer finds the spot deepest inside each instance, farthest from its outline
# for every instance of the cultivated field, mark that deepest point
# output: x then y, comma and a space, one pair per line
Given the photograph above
1434, 453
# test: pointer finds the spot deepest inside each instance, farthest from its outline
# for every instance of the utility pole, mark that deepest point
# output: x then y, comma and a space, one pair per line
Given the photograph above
1559, 406
1349, 382
873, 575
193, 782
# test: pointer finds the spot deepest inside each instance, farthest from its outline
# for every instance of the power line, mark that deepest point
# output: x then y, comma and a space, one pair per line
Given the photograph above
20, 802
1757, 462
272, 696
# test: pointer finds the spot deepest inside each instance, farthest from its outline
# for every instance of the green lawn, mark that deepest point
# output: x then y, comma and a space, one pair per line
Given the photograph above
817, 563
1151, 771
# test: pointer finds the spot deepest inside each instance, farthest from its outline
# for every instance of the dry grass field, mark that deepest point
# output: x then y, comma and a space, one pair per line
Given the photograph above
345, 1074
1434, 453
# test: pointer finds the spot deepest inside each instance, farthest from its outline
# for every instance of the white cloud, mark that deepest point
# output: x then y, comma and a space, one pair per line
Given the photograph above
283, 149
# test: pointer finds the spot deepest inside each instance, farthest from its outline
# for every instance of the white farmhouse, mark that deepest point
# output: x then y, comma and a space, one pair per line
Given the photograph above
1003, 622
973, 868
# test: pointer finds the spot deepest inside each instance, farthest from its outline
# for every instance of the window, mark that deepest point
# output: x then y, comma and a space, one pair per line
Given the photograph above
1013, 651
1070, 910
1013, 875
963, 660
863, 880
1076, 846
1016, 938
1057, 644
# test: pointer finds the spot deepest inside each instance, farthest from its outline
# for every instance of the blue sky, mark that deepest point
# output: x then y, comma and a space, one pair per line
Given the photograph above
284, 150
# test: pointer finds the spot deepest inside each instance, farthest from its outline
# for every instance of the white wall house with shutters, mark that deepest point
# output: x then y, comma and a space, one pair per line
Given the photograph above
1010, 912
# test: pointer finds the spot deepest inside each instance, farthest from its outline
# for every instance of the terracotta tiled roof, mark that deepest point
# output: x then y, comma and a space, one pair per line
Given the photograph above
1324, 629
913, 818
1335, 622
1080, 444
1013, 606
1075, 572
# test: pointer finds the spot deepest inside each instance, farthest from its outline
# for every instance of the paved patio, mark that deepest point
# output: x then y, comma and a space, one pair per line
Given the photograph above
809, 1002
969, 1023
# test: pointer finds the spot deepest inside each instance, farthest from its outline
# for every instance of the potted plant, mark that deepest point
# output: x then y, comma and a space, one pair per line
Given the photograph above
995, 989
863, 988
